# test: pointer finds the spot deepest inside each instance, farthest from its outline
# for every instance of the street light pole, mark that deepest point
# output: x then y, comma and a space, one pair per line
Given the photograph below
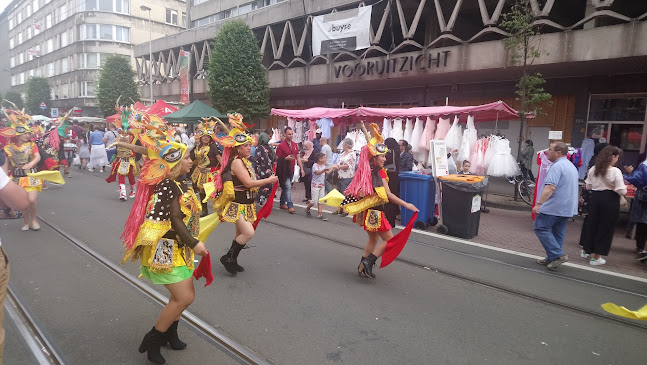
150, 50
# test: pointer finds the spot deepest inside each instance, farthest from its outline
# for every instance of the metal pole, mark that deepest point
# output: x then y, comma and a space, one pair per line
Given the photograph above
150, 53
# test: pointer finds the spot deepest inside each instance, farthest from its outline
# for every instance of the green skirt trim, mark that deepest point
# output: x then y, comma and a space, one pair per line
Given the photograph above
179, 273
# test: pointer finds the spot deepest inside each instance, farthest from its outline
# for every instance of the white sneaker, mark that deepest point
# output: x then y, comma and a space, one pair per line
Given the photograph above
90, 170
584, 254
597, 262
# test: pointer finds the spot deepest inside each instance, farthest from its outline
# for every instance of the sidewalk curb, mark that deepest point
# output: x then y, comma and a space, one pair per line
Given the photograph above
521, 208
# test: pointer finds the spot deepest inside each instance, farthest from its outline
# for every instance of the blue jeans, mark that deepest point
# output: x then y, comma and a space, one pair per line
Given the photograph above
551, 230
286, 193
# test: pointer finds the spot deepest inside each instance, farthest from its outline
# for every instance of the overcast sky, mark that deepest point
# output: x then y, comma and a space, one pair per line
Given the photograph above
3, 4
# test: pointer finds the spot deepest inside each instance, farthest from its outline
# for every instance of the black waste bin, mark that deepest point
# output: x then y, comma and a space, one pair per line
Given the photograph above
461, 203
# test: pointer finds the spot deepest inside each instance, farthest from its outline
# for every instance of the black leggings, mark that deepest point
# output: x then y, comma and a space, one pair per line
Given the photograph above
641, 235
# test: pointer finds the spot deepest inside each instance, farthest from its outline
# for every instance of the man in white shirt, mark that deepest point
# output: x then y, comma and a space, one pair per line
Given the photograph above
14, 196
325, 149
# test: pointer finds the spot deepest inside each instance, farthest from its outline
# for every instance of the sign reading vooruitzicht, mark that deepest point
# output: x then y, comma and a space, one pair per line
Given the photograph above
341, 31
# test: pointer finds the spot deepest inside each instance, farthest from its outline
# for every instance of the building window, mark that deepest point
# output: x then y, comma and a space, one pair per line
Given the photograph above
13, 80
64, 40
171, 16
64, 65
19, 18
184, 19
105, 32
48, 21
50, 69
617, 109
29, 33
105, 5
87, 88
123, 34
36, 28
10, 23
34, 5
22, 78
62, 12
197, 2
21, 58
116, 6
11, 42
20, 38
50, 46
12, 61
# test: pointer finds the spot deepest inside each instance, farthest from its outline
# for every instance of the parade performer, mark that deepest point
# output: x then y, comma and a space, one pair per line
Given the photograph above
124, 165
162, 230
23, 157
52, 146
236, 187
206, 158
366, 197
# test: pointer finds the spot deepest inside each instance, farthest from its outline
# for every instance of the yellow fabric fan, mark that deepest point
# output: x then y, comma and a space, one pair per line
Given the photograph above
334, 198
53, 176
207, 225
640, 314
209, 188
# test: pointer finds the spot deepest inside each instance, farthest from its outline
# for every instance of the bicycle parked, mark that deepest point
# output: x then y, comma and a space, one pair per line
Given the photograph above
525, 186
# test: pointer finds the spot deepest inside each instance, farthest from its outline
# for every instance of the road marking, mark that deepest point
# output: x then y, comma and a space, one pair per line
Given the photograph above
511, 252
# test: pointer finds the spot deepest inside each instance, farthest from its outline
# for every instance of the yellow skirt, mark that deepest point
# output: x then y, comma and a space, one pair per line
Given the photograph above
29, 183
232, 210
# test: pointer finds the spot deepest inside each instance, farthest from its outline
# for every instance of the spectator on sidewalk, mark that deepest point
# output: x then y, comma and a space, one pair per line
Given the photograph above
98, 156
109, 140
287, 152
466, 168
316, 142
525, 159
264, 162
556, 204
327, 150
319, 171
307, 159
607, 187
406, 158
392, 167
346, 168
638, 211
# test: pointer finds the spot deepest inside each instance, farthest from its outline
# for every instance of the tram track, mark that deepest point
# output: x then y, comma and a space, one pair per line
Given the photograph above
489, 284
216, 337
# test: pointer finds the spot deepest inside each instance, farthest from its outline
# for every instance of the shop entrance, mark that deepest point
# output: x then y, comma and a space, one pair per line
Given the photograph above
621, 120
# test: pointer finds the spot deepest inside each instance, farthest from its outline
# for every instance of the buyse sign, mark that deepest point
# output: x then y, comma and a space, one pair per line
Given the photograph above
341, 31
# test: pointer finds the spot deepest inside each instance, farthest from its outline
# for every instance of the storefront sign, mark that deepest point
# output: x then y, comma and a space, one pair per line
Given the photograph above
381, 66
341, 31
554, 135
185, 58
440, 165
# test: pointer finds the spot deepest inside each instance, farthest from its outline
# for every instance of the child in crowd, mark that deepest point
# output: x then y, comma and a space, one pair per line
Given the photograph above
466, 168
318, 184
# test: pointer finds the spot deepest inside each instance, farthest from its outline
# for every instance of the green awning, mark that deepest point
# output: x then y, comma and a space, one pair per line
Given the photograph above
193, 113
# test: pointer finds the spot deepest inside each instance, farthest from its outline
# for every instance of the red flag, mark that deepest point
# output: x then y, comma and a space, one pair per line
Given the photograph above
204, 270
266, 210
395, 245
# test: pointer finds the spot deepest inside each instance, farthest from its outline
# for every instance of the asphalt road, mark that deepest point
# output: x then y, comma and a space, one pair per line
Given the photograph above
300, 300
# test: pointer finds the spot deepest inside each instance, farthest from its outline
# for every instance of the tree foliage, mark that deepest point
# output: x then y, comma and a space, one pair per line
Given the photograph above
37, 91
13, 97
117, 78
524, 46
237, 80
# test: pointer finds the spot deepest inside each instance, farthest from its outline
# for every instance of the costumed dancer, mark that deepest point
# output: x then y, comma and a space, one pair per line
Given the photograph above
52, 146
125, 162
236, 187
206, 158
23, 157
161, 231
366, 197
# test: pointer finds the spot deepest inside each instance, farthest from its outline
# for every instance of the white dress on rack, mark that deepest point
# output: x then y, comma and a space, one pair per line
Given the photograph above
408, 130
470, 135
416, 136
427, 135
501, 163
442, 128
386, 128
397, 133
454, 137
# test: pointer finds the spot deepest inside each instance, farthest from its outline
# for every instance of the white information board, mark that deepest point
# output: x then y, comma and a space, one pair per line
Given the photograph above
554, 135
439, 164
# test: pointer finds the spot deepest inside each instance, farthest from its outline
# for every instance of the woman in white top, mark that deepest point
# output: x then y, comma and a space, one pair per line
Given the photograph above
346, 168
607, 185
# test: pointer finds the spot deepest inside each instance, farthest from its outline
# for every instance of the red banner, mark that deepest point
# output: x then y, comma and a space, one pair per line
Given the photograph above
185, 58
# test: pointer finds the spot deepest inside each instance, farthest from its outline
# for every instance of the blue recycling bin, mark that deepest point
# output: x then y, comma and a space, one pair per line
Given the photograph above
419, 190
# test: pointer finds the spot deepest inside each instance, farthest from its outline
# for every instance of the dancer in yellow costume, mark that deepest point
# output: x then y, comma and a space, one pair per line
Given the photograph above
163, 227
23, 158
206, 158
236, 187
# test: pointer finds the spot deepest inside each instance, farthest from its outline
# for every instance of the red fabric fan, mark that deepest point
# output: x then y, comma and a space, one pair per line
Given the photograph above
204, 270
266, 210
395, 245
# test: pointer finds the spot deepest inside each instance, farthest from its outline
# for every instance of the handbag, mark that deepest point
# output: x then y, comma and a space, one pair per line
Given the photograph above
641, 195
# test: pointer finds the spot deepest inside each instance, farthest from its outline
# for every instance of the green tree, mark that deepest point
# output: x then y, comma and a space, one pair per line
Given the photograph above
524, 46
37, 91
117, 78
237, 80
13, 97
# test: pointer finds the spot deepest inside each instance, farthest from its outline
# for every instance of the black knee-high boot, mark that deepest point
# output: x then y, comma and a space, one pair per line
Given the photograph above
368, 263
229, 260
151, 344
171, 336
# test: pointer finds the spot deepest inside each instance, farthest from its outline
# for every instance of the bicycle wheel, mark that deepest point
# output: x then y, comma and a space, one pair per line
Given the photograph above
526, 192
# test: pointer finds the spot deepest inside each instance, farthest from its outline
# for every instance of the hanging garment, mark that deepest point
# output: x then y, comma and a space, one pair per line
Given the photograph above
502, 162
454, 137
397, 133
419, 154
325, 124
587, 153
408, 130
311, 132
386, 128
428, 135
276, 136
292, 123
464, 153
477, 157
442, 128
299, 135
473, 133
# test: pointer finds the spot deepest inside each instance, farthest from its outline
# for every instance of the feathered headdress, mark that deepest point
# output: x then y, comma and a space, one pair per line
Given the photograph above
237, 135
362, 184
206, 127
18, 122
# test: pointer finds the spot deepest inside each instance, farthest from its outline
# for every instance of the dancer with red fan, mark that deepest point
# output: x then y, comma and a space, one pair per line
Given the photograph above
365, 199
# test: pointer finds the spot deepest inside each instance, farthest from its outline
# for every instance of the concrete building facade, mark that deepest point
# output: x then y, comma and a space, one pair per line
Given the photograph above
427, 52
67, 41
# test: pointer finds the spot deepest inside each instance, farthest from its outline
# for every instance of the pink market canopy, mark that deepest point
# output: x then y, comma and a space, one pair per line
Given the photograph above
315, 113
482, 113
